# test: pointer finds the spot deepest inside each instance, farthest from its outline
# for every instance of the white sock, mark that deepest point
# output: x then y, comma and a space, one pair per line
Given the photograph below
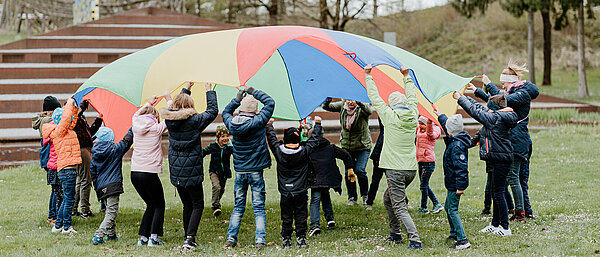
154, 236
145, 239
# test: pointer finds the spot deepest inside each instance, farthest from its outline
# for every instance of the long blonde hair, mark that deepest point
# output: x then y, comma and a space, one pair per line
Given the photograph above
150, 110
183, 101
514, 69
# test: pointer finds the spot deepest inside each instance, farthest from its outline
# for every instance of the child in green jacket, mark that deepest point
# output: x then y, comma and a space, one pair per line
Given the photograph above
220, 158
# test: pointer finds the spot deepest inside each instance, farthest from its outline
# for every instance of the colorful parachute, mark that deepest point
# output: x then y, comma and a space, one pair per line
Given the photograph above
298, 66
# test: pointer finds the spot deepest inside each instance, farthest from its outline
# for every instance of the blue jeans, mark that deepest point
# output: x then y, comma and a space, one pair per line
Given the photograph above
67, 178
487, 202
257, 186
513, 181
360, 159
524, 179
320, 196
451, 206
425, 171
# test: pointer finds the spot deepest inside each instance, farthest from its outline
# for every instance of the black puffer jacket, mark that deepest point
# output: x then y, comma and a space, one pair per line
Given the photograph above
494, 136
326, 173
519, 99
220, 159
376, 153
293, 164
185, 148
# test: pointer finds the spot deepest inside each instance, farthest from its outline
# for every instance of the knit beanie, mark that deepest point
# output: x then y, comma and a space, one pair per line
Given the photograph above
396, 98
423, 120
50, 103
222, 130
56, 115
249, 104
291, 135
105, 134
454, 124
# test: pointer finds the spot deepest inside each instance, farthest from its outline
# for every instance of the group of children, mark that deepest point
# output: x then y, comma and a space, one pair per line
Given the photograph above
305, 160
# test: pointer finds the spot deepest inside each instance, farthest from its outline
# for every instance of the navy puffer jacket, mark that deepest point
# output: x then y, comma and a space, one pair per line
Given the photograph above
250, 150
456, 158
106, 166
519, 99
494, 136
185, 148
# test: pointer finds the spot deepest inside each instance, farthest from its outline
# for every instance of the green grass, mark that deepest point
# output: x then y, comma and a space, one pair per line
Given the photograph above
563, 189
562, 116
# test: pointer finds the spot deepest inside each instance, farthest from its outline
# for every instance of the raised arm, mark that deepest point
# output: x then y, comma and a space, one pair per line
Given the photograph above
266, 112
274, 143
332, 107
365, 109
476, 110
343, 155
411, 95
125, 143
66, 120
383, 110
481, 95
313, 141
433, 132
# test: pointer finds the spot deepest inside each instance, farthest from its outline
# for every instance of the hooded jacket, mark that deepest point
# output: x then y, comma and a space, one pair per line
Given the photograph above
399, 151
220, 159
358, 137
250, 150
326, 173
456, 158
494, 136
64, 138
147, 134
519, 98
52, 157
36, 123
185, 148
293, 163
426, 142
106, 166
84, 131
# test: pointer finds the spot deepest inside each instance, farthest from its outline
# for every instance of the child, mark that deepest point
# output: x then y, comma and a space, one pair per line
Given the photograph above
66, 146
107, 159
292, 179
48, 156
220, 155
497, 151
427, 134
456, 174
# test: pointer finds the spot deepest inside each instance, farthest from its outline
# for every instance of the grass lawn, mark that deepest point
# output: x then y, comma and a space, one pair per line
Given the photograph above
565, 85
563, 189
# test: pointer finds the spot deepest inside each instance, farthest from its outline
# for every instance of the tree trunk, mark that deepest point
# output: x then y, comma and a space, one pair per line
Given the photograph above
273, 12
230, 11
375, 8
199, 10
530, 46
282, 7
323, 14
547, 48
583, 89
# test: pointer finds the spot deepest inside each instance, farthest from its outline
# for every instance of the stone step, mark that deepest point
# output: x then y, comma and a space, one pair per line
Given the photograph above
48, 70
40, 86
134, 30
63, 55
83, 41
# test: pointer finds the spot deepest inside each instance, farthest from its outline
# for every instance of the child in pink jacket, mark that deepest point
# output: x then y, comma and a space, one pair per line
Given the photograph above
427, 134
146, 164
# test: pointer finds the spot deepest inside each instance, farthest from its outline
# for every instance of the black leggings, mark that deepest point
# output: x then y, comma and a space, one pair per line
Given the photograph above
150, 189
193, 205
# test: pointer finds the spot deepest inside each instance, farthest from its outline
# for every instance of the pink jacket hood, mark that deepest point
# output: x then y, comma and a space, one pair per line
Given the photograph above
147, 151
426, 142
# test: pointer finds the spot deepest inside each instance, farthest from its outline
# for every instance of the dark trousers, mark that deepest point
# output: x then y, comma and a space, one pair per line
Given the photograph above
487, 201
150, 188
294, 209
375, 180
500, 212
360, 159
426, 169
193, 205
524, 179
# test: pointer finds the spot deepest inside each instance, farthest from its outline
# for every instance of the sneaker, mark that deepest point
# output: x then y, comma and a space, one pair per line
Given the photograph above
217, 212
451, 238
188, 243
141, 242
314, 231
437, 208
423, 211
53, 222
75, 213
518, 216
287, 242
511, 211
260, 246
112, 238
49, 221
56, 230
364, 199
415, 245
486, 211
462, 244
301, 242
394, 238
488, 229
229, 244
530, 216
369, 207
502, 232
87, 214
331, 223
351, 201
69, 230
155, 242
97, 240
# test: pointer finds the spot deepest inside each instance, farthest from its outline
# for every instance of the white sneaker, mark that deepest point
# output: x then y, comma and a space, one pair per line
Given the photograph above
70, 230
502, 232
331, 223
351, 201
364, 199
489, 229
56, 230
369, 207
